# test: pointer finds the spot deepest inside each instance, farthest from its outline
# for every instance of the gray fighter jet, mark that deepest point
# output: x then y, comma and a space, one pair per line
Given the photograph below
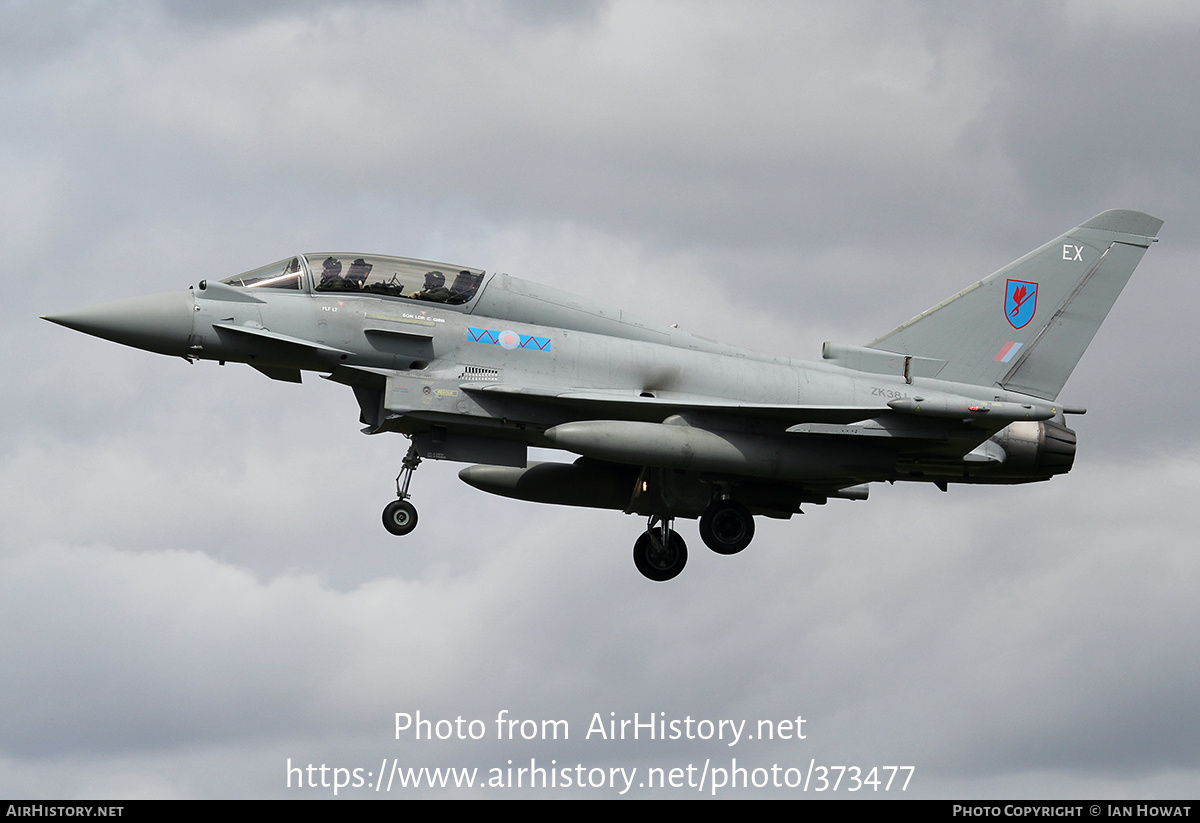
477, 367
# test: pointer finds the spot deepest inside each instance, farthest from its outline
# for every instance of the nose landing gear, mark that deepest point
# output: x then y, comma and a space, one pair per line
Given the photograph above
400, 516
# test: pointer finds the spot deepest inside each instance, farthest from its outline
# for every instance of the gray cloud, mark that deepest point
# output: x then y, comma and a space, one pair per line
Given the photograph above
193, 583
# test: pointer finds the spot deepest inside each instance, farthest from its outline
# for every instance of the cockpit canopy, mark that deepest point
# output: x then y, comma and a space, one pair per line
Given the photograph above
369, 274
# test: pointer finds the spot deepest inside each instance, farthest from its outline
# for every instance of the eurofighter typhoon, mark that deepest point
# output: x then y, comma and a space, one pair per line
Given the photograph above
476, 367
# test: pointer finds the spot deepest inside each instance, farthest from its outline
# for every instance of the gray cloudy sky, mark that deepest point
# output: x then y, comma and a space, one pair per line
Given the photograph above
194, 584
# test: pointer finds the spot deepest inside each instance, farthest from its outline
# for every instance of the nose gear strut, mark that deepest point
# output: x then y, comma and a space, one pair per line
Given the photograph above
400, 516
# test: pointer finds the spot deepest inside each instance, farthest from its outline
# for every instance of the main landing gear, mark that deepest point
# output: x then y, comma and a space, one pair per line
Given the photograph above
400, 516
726, 526
660, 553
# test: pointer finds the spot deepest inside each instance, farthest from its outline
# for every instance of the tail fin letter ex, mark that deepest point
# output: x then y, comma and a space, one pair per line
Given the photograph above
1025, 327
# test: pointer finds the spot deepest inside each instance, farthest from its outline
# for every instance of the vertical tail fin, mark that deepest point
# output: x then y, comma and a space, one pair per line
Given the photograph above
1025, 327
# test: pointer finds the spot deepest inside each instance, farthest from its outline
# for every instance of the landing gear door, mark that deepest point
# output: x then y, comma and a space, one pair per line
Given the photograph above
440, 443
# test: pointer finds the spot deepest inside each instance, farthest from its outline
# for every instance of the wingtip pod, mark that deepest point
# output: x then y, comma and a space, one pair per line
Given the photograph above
964, 408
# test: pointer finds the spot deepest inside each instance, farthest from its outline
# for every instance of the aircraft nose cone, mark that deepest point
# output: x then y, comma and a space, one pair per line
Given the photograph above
158, 322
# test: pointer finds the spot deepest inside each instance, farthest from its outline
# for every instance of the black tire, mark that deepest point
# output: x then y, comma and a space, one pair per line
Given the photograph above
400, 517
655, 562
726, 527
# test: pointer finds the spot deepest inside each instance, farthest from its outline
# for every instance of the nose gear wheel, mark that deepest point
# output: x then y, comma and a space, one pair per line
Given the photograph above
400, 516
